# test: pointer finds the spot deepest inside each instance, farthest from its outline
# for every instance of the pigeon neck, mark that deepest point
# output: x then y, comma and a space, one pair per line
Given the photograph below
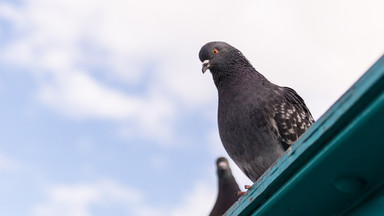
225, 77
228, 183
241, 80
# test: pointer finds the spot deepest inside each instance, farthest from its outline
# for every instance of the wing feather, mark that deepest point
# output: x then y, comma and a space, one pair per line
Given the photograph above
292, 117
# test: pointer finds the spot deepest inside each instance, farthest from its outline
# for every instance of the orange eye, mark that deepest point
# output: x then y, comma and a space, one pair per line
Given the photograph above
215, 51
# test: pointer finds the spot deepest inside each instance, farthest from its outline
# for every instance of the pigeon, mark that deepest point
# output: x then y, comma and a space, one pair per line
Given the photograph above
258, 120
227, 188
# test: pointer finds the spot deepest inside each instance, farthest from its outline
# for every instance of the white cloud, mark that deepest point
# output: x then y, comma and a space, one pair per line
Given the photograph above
215, 145
79, 95
198, 202
79, 199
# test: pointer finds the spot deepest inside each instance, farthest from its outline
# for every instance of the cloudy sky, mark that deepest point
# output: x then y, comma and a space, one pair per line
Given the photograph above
104, 109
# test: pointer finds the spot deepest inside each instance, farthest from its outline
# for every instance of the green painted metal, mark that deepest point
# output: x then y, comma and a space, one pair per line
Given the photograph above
372, 206
336, 167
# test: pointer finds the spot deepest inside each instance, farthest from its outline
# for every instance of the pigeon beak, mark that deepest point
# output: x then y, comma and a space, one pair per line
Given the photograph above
205, 65
222, 165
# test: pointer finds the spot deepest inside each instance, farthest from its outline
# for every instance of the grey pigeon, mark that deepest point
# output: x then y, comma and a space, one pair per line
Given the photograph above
258, 120
227, 188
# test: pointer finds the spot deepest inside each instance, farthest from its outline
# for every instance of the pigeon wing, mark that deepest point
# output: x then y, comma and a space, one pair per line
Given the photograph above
292, 117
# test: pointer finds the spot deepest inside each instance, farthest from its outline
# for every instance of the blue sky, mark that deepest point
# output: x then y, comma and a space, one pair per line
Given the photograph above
104, 109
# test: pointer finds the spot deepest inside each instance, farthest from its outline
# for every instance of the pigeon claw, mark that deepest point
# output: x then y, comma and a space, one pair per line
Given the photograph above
240, 193
205, 65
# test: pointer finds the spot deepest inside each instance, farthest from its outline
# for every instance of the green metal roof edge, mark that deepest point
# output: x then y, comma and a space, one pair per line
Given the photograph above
344, 110
359, 181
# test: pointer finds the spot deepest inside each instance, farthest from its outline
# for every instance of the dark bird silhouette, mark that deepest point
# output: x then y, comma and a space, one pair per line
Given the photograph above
257, 119
227, 188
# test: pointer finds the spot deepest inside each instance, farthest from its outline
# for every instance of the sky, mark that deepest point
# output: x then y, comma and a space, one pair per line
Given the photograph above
104, 109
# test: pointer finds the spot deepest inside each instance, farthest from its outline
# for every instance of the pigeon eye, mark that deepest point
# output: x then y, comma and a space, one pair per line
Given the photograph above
215, 51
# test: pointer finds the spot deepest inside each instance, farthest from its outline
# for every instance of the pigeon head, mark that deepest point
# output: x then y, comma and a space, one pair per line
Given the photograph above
219, 57
223, 169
